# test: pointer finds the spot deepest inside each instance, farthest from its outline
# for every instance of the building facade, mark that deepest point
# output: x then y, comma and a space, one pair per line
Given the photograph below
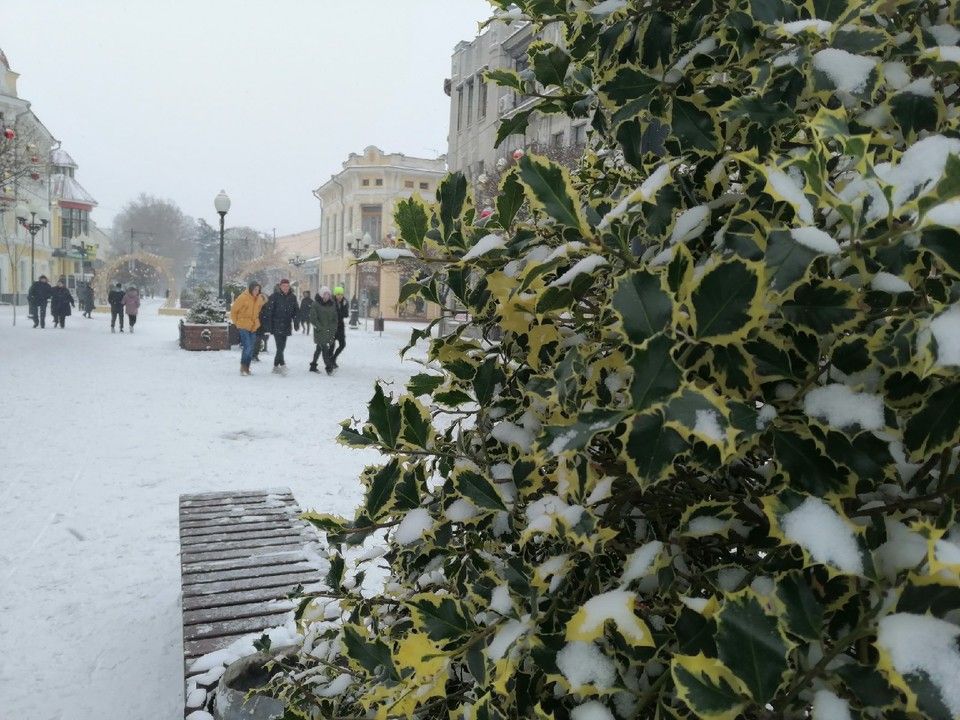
25, 145
302, 250
477, 107
357, 205
75, 237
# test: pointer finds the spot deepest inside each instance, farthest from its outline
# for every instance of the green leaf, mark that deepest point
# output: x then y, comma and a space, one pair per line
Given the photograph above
707, 687
380, 489
349, 436
655, 374
334, 577
772, 11
868, 685
914, 113
510, 199
936, 425
557, 439
549, 188
830, 10
515, 124
786, 260
693, 127
724, 302
412, 221
416, 424
629, 83
505, 78
407, 491
485, 381
385, 418
424, 384
443, 618
451, 194
478, 490
643, 305
652, 447
804, 615
945, 244
824, 308
550, 64
751, 644
370, 655
804, 463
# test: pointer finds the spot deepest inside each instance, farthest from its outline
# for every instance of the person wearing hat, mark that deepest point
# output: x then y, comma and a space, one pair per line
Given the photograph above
115, 298
131, 303
245, 314
283, 309
87, 299
61, 300
305, 304
40, 291
343, 312
323, 317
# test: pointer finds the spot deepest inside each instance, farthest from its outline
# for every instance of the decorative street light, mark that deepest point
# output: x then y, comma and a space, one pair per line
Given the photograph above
33, 219
222, 203
357, 246
298, 261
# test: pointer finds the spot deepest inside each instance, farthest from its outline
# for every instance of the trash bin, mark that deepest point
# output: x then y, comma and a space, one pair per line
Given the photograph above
378, 324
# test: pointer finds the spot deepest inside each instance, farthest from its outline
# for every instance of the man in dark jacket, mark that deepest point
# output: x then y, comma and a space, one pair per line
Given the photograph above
115, 298
37, 297
87, 299
343, 312
283, 308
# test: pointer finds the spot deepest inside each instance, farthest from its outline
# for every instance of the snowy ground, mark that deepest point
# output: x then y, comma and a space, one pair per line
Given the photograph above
99, 435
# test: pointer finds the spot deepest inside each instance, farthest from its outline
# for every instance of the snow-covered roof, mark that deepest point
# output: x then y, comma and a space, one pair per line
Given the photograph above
3, 60
61, 158
66, 188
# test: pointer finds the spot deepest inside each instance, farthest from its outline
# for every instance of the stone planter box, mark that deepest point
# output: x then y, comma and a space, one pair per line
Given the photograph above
204, 337
231, 701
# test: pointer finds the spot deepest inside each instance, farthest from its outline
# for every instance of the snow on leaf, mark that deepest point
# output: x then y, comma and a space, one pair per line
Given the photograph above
819, 529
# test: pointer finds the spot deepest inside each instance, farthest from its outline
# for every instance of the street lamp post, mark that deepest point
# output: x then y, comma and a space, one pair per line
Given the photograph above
222, 204
357, 246
297, 261
33, 219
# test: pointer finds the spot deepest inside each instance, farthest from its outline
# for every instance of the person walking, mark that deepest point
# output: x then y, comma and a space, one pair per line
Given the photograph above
304, 316
115, 298
61, 300
131, 303
245, 314
40, 291
283, 309
343, 312
323, 317
86, 299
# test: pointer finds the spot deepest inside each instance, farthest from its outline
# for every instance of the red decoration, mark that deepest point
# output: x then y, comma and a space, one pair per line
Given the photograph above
9, 134
517, 154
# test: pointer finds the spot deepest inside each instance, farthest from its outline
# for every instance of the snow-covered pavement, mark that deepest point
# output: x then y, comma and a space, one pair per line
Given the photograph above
99, 435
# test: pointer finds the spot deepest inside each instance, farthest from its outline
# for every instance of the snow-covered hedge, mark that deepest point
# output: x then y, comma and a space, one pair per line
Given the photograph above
700, 460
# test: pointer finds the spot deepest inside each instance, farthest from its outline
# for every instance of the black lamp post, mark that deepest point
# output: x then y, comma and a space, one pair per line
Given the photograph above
33, 219
222, 204
357, 246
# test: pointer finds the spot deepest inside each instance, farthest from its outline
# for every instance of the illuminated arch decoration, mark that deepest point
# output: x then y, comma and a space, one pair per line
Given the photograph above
164, 266
273, 264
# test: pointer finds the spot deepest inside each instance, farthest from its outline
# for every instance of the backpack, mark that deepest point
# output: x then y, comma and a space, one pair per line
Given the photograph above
266, 315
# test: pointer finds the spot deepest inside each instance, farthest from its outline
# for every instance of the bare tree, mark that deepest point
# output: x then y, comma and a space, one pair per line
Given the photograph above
158, 226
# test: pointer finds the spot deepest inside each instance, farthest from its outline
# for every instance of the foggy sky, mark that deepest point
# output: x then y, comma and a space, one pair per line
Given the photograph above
180, 98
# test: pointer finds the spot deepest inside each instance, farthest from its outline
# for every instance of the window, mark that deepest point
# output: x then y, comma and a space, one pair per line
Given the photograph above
408, 184
469, 102
556, 140
73, 223
379, 182
482, 101
371, 221
460, 108
365, 182
424, 186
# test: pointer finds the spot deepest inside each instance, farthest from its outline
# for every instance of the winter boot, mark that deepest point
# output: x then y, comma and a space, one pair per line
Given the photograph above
313, 368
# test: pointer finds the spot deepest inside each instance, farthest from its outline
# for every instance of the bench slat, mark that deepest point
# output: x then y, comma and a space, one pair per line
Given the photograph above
247, 573
207, 555
200, 602
192, 532
209, 615
278, 558
248, 538
270, 581
235, 626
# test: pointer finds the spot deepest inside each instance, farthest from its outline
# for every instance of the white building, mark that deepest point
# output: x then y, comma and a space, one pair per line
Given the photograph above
478, 107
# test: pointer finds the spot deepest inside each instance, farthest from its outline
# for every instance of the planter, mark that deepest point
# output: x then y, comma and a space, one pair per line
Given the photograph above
231, 702
204, 337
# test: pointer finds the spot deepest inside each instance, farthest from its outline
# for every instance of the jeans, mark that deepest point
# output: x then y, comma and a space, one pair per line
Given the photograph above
327, 351
133, 321
341, 342
247, 339
280, 340
114, 314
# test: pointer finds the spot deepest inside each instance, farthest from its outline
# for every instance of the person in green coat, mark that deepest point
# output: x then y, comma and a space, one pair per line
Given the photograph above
324, 318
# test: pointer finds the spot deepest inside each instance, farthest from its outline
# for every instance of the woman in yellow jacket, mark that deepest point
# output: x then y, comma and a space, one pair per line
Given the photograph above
245, 314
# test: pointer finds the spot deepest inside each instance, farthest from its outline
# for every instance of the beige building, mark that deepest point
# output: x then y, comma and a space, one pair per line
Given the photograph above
77, 241
303, 249
477, 107
357, 206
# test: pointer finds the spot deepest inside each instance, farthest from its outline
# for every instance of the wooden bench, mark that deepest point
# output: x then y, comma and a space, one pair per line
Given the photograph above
241, 554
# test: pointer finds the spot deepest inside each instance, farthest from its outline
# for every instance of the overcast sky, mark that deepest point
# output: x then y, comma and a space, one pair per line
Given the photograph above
180, 98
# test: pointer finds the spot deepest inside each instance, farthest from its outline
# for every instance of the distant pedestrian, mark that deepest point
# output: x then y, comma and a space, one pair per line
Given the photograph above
304, 314
87, 300
61, 300
283, 309
131, 303
37, 297
323, 317
343, 312
262, 345
115, 298
245, 314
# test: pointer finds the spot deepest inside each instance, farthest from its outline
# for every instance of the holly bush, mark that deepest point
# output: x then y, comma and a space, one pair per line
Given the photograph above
695, 455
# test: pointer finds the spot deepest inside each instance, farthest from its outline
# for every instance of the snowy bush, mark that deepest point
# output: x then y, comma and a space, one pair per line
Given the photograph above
206, 309
696, 455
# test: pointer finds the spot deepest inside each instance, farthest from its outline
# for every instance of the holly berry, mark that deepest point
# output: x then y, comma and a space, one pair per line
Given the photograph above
517, 154
9, 133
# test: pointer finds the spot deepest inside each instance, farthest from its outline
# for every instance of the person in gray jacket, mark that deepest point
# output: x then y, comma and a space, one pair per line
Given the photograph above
324, 317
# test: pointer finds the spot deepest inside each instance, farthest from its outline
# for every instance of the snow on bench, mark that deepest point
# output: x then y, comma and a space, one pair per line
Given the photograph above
241, 555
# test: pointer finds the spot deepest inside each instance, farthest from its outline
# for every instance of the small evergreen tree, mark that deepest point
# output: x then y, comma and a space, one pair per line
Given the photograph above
696, 455
206, 309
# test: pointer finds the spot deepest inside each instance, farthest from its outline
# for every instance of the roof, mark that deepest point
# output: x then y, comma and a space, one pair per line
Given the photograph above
3, 59
66, 188
61, 158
